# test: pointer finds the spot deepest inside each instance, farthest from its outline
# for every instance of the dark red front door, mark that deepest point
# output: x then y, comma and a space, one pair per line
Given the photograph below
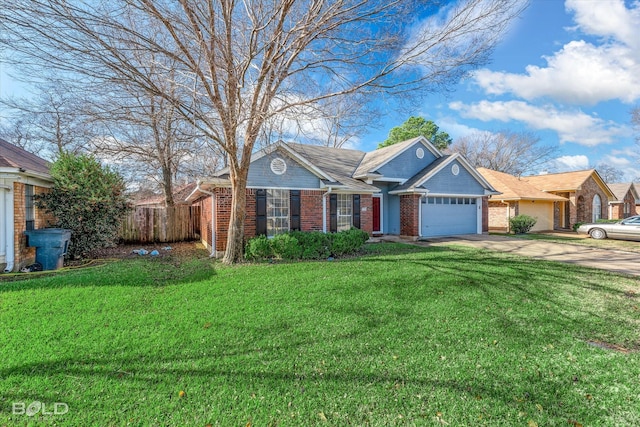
376, 215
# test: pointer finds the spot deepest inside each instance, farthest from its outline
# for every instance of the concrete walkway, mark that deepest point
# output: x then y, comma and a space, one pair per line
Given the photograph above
604, 259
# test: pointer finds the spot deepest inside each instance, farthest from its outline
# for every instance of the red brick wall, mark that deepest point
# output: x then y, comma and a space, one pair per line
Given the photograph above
310, 213
311, 210
409, 221
617, 210
250, 217
498, 219
366, 213
223, 216
206, 228
24, 255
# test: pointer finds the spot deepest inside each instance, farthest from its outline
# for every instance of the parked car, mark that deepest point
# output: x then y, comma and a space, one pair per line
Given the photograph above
626, 229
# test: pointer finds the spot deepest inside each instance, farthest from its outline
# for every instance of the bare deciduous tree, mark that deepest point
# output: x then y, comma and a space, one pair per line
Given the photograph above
610, 174
237, 63
50, 122
515, 153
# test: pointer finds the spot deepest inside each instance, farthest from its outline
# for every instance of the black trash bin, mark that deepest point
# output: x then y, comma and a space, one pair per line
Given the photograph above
51, 246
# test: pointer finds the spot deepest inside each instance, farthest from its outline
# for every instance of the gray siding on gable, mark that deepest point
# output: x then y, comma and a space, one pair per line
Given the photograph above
296, 175
407, 164
445, 182
390, 209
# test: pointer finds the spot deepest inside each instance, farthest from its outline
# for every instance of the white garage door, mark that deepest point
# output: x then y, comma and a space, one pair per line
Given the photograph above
449, 216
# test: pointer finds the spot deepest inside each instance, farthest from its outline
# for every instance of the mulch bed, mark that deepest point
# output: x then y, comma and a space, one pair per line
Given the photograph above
177, 249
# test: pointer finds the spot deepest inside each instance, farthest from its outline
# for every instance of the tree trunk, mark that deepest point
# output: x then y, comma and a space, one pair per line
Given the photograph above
167, 186
235, 237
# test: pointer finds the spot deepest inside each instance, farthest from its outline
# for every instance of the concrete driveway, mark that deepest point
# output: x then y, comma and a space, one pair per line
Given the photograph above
605, 259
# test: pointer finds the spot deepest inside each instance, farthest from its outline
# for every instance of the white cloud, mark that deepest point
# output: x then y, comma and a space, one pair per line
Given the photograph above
607, 18
454, 129
571, 126
627, 163
582, 72
571, 163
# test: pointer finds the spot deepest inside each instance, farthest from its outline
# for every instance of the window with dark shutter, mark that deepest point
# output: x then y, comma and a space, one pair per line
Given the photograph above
295, 210
333, 213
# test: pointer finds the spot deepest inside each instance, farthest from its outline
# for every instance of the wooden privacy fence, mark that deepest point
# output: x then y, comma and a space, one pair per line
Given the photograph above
171, 224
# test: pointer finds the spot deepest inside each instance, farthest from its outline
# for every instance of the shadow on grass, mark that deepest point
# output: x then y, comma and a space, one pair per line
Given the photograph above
126, 272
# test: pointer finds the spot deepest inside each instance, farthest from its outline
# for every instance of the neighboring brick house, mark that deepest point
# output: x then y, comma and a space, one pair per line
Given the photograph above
409, 189
22, 175
587, 195
627, 199
518, 197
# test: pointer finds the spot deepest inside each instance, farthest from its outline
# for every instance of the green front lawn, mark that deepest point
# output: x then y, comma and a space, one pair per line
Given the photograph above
402, 336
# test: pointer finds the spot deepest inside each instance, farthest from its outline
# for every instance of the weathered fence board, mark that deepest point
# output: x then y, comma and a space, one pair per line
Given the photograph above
170, 224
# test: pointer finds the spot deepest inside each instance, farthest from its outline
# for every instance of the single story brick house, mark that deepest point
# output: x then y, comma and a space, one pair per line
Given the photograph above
518, 197
587, 195
409, 189
627, 198
22, 175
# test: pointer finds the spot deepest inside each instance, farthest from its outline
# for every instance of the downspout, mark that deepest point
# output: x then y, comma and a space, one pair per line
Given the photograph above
324, 209
213, 218
9, 228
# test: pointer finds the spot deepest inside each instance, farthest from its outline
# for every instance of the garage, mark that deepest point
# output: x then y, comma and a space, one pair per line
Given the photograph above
449, 216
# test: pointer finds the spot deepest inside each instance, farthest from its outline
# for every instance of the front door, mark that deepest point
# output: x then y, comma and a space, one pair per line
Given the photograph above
377, 226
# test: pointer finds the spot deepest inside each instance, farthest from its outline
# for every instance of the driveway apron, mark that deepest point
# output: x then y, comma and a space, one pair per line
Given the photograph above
604, 259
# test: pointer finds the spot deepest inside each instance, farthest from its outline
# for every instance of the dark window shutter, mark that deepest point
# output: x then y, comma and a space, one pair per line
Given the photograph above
261, 212
356, 211
294, 198
333, 213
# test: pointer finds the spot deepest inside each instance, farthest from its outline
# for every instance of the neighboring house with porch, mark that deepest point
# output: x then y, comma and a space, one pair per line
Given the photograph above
409, 189
518, 197
587, 196
627, 198
22, 175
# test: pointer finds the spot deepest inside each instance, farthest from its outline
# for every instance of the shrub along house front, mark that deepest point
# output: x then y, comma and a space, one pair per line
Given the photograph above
408, 189
22, 176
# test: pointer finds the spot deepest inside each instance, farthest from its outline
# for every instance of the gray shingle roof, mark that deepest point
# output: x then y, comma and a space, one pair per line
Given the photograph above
620, 189
376, 158
339, 163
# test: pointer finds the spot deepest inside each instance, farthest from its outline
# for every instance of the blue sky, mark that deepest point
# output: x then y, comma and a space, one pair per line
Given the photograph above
568, 71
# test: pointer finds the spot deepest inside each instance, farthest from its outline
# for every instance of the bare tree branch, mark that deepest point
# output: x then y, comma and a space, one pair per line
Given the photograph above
238, 63
515, 153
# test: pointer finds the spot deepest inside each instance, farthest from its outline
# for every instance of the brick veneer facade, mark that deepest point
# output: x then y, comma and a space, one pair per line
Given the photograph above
617, 209
409, 215
498, 214
310, 214
580, 205
24, 255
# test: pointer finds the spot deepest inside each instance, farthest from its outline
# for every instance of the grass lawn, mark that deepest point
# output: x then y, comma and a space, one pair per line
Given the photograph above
401, 336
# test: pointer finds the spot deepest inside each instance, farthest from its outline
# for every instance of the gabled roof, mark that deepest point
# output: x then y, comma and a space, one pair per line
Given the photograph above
415, 184
338, 163
333, 166
620, 190
514, 188
12, 156
566, 181
375, 159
